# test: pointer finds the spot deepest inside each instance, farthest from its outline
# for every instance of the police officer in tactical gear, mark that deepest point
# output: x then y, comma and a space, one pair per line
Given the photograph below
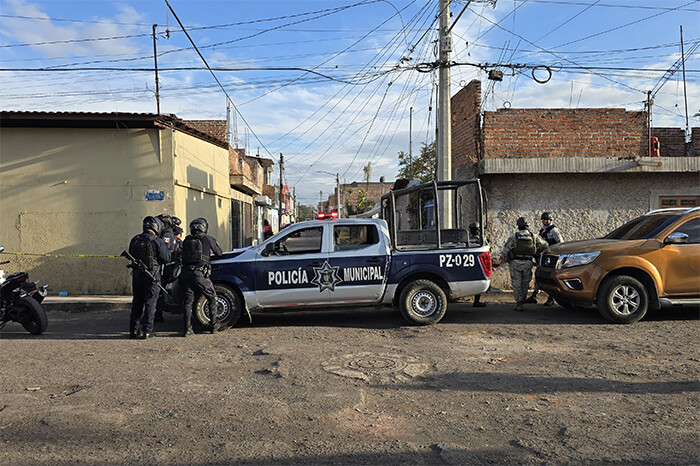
475, 239
177, 231
520, 251
152, 251
168, 236
197, 249
551, 235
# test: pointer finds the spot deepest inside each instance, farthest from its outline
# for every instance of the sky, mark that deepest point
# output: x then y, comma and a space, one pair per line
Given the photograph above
337, 84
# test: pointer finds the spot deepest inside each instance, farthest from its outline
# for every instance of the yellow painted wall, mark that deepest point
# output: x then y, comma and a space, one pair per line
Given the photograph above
202, 189
71, 192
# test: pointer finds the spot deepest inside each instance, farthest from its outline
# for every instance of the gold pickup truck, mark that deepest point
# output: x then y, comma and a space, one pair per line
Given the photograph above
647, 262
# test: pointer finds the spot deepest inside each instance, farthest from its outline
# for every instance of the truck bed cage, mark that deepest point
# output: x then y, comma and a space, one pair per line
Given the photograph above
423, 238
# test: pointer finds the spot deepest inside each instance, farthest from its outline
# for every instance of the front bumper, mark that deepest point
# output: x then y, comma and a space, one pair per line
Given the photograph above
575, 284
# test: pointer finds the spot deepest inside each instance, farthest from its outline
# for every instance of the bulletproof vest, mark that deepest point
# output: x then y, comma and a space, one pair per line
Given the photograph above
143, 248
195, 250
544, 233
524, 244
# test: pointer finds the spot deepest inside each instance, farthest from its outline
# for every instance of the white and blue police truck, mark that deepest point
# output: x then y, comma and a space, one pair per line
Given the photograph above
404, 259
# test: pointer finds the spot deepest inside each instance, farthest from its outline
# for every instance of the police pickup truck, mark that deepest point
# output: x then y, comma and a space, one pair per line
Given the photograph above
360, 262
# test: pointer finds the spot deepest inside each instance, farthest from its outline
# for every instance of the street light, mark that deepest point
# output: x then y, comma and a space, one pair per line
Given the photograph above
337, 188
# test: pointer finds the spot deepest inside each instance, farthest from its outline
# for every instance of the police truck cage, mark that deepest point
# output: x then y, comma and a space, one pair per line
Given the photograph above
414, 217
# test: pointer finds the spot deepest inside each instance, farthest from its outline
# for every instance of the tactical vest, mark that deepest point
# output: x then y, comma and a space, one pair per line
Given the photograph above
525, 247
544, 233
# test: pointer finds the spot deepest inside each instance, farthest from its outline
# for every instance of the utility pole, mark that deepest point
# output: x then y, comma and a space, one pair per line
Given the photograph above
688, 143
337, 198
155, 59
649, 102
444, 143
279, 212
410, 140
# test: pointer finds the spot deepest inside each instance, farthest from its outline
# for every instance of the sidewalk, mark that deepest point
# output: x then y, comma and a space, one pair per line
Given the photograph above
87, 303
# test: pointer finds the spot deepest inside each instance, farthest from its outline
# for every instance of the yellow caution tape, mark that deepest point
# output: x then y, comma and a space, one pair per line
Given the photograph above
61, 255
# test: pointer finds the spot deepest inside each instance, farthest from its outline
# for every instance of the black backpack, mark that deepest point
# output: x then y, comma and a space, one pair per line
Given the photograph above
192, 251
143, 249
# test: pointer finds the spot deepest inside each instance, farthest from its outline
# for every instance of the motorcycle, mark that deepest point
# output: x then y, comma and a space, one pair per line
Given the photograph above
20, 301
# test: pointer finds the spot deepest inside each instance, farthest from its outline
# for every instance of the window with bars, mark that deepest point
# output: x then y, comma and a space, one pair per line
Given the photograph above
678, 201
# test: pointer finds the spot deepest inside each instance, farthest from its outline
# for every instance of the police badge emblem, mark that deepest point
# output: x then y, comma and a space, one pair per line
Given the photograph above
326, 277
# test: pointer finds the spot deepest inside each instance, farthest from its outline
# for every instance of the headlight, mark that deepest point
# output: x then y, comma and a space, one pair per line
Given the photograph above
572, 260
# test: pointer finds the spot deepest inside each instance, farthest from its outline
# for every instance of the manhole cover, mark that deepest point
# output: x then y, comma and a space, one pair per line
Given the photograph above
370, 366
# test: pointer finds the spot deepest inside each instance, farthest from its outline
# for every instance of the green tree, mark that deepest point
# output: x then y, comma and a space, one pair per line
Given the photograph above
305, 211
422, 167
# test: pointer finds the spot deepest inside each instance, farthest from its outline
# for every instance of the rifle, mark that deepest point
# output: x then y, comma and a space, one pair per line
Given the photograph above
142, 267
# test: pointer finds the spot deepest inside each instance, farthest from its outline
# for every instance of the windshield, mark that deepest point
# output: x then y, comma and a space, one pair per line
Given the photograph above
643, 227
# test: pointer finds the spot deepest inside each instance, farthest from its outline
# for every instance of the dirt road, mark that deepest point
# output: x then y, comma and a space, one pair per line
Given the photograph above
548, 386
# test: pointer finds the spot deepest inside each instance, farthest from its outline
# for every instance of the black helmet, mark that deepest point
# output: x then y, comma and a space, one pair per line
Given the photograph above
167, 222
153, 223
546, 216
175, 221
474, 228
199, 224
522, 223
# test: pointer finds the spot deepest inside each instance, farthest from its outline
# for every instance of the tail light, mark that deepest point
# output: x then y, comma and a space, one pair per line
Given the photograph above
334, 214
321, 216
485, 261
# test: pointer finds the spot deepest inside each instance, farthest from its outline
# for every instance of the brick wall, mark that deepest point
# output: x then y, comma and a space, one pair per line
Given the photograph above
215, 128
543, 132
351, 192
672, 141
466, 122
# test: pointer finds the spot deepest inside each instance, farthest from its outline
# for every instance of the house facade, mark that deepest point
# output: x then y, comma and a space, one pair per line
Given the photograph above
76, 186
589, 167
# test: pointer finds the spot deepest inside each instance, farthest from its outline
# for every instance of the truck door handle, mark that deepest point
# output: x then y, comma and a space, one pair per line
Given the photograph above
375, 259
315, 264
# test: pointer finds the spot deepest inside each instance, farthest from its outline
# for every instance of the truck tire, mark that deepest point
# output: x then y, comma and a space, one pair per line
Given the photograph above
423, 302
230, 308
622, 299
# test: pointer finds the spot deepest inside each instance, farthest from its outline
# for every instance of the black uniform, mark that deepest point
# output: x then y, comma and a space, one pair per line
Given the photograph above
146, 291
169, 271
195, 276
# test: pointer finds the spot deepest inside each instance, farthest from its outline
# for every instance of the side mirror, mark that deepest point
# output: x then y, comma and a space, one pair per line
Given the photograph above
2, 248
269, 249
676, 238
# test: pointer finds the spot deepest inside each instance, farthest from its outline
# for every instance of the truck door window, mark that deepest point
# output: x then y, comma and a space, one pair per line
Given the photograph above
305, 241
692, 229
352, 237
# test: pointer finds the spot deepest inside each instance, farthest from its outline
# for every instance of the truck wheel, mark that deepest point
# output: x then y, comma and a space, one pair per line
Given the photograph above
230, 308
423, 302
622, 299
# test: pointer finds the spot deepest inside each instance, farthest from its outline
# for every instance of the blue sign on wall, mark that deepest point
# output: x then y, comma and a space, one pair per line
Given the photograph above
155, 195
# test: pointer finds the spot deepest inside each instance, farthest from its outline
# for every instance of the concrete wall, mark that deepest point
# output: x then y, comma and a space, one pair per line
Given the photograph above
82, 192
585, 206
